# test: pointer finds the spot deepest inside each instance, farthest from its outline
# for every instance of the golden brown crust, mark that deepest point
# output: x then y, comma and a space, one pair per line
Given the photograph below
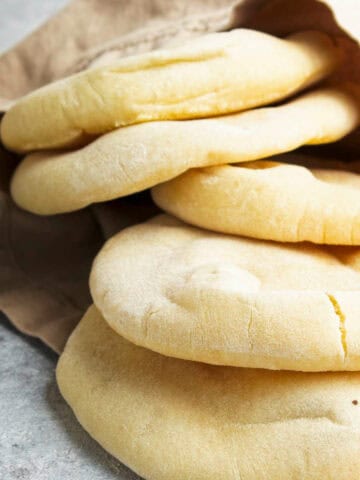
193, 294
171, 419
212, 75
271, 200
138, 157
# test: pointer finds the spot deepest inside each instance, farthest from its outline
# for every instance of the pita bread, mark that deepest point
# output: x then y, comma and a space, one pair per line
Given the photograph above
171, 419
212, 75
198, 295
138, 157
269, 199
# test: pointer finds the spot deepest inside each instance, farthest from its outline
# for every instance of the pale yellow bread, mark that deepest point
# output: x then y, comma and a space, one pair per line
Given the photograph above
215, 74
138, 157
198, 295
169, 419
270, 199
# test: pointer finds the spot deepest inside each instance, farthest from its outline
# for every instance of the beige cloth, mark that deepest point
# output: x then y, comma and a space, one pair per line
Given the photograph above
45, 262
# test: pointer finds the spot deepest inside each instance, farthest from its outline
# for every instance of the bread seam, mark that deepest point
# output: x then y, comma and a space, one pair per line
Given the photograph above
342, 323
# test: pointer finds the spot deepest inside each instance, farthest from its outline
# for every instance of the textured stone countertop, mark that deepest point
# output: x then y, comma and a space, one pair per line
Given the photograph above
40, 438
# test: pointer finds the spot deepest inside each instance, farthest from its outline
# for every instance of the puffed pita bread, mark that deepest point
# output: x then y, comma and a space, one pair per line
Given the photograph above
215, 74
269, 199
171, 419
134, 158
199, 295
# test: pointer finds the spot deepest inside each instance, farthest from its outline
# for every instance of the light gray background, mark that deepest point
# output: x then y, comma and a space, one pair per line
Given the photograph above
40, 438
20, 17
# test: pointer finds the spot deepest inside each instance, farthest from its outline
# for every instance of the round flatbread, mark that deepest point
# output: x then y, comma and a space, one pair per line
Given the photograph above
211, 75
171, 419
270, 199
198, 295
134, 158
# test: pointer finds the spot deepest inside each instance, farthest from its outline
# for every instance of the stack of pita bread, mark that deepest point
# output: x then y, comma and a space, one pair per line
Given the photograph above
224, 339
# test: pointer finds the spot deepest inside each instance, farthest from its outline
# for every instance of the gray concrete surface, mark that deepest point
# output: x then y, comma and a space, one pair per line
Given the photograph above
40, 438
20, 17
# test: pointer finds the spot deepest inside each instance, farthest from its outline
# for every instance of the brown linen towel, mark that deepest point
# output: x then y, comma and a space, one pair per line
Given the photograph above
45, 261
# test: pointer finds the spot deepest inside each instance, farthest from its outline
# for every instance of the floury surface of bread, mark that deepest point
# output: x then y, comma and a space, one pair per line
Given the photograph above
138, 157
198, 295
215, 74
270, 199
171, 419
